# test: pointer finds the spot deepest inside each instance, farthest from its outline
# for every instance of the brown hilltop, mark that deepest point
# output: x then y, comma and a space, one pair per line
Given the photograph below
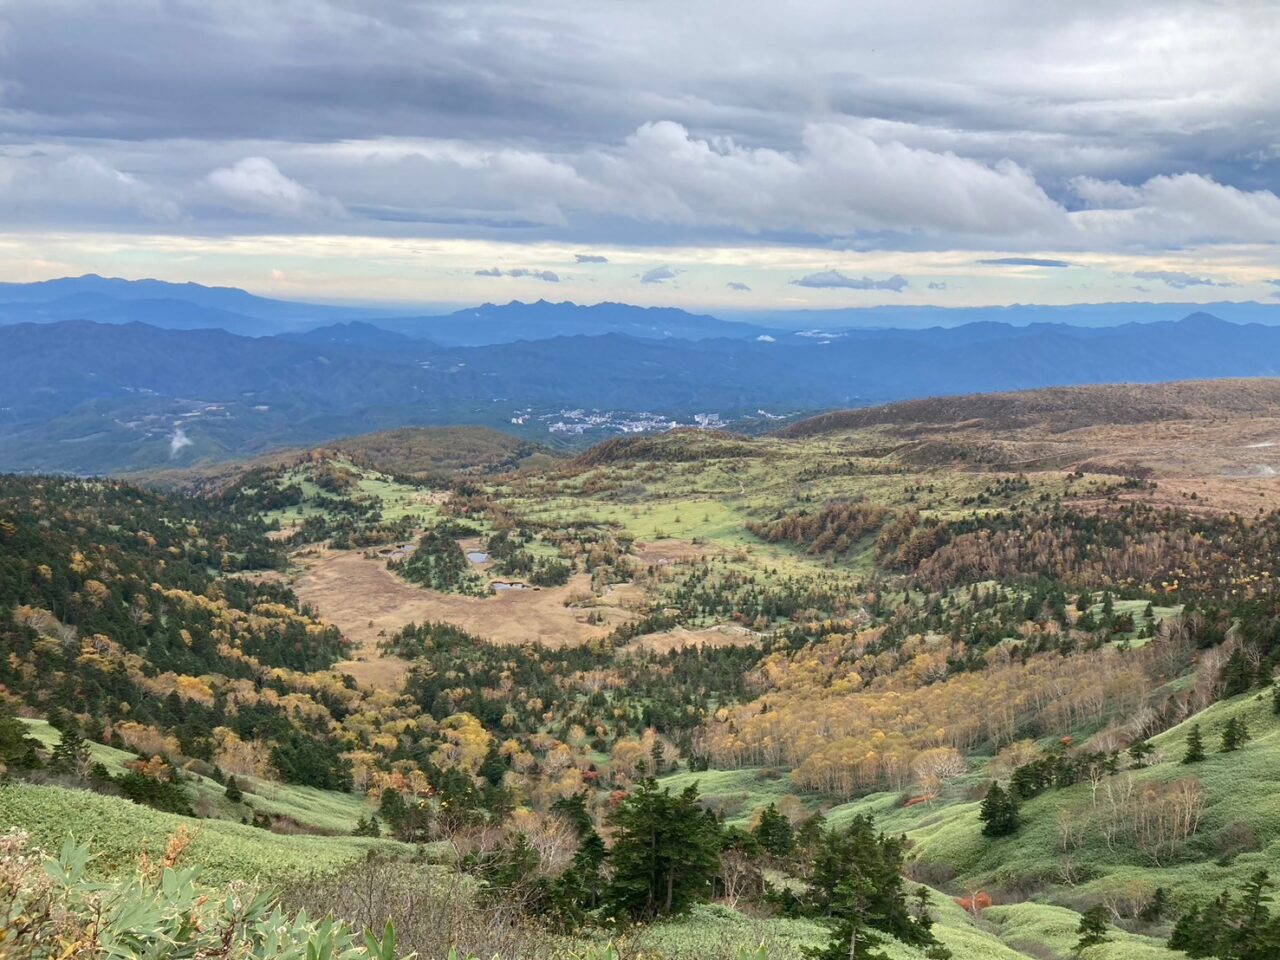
1210, 444
1059, 409
437, 452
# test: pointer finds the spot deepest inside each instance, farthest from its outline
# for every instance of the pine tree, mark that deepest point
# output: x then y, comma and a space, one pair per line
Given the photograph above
1237, 674
665, 854
367, 827
1234, 735
1138, 752
856, 883
774, 832
658, 756
1195, 746
1241, 929
233, 791
999, 812
1092, 929
1155, 907
70, 754
17, 749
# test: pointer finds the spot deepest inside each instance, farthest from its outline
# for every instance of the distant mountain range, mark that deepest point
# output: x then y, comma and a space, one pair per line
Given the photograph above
925, 316
191, 306
84, 396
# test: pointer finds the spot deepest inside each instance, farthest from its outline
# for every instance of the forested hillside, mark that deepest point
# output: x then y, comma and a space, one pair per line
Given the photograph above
674, 692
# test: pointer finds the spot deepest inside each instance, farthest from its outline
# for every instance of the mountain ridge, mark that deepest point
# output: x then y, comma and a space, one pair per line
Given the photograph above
87, 397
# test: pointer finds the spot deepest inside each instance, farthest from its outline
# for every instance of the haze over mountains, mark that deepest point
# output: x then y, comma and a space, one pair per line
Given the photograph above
103, 375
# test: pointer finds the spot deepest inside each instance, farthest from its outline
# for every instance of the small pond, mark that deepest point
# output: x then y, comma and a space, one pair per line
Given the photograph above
477, 556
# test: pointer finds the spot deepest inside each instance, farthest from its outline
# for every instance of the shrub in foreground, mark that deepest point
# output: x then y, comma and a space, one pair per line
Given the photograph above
49, 908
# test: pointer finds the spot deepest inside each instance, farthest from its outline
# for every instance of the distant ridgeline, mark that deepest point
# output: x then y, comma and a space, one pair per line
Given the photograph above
98, 375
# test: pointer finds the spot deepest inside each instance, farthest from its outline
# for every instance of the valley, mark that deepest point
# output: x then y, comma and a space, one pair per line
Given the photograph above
871, 616
639, 481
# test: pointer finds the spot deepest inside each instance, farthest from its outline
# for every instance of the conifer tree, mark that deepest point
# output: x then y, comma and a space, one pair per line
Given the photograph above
665, 853
17, 749
233, 791
774, 833
999, 812
1092, 929
1234, 735
71, 753
1237, 674
856, 883
1241, 929
1195, 746
1155, 907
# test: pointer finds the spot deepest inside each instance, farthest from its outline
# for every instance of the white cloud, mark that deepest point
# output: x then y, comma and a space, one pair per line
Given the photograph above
1180, 280
547, 276
77, 186
826, 279
838, 183
256, 185
1168, 211
659, 275
178, 441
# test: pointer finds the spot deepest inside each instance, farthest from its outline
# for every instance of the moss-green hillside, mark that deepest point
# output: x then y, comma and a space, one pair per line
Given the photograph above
118, 831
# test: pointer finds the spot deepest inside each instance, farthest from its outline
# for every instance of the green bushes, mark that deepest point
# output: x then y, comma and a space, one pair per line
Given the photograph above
50, 908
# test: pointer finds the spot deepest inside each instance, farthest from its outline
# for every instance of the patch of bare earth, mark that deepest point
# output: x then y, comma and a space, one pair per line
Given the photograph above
369, 603
727, 635
670, 550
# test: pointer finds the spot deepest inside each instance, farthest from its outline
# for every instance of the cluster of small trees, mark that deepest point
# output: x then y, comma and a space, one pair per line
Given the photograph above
1182, 555
833, 529
668, 853
439, 563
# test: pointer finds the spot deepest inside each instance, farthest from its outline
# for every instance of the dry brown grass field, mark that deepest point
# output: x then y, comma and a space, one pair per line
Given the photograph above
1218, 440
369, 603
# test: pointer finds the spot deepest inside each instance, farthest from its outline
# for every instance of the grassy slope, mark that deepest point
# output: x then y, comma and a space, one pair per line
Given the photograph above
321, 810
715, 932
1240, 788
117, 831
735, 794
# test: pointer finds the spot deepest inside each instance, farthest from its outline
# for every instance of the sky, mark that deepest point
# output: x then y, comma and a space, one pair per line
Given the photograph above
716, 155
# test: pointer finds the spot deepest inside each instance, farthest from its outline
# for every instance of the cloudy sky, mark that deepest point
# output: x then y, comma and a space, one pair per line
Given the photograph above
736, 154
